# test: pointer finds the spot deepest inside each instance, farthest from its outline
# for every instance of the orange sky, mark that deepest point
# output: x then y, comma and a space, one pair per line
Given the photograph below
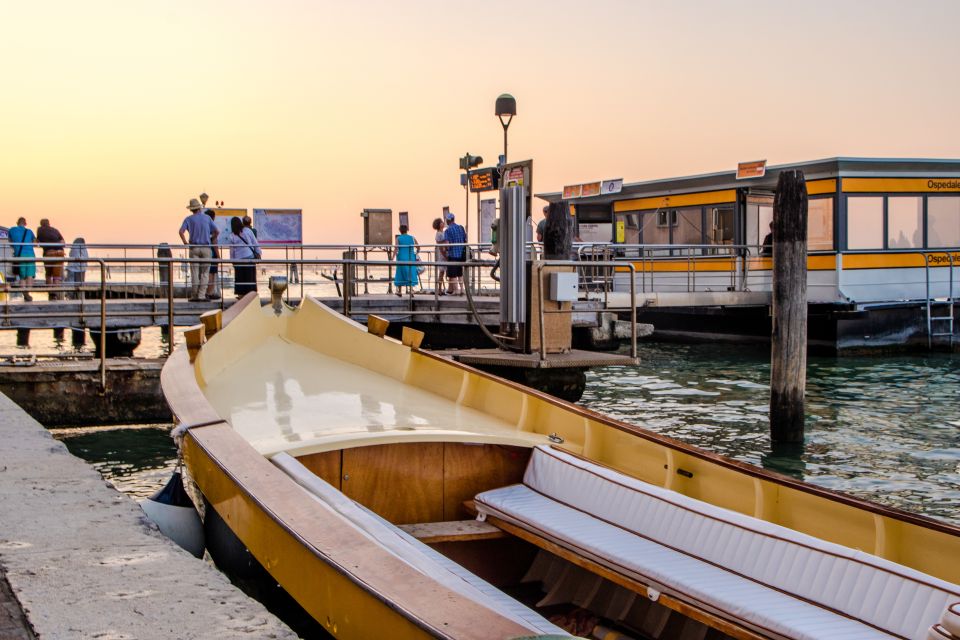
116, 113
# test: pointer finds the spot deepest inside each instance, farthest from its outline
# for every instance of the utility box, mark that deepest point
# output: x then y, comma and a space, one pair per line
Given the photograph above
563, 286
377, 226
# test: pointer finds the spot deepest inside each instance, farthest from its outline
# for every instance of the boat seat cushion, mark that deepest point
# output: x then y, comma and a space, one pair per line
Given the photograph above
413, 552
775, 580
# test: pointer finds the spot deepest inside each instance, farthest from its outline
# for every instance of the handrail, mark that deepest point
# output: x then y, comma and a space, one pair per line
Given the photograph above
929, 299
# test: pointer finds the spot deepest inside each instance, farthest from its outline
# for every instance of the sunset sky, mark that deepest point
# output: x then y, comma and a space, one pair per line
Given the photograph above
114, 114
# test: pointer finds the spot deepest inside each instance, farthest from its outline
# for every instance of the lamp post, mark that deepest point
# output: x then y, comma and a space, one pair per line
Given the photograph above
506, 107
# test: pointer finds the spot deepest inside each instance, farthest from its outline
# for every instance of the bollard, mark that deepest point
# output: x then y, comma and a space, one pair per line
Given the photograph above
788, 352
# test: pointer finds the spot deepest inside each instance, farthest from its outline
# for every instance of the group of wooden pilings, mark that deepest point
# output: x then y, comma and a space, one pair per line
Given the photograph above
788, 338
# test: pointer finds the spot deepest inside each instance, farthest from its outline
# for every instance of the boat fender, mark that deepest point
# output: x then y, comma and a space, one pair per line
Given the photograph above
481, 517
951, 619
937, 632
172, 510
652, 594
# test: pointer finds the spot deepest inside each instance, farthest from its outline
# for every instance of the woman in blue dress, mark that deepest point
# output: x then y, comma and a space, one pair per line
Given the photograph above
407, 249
22, 239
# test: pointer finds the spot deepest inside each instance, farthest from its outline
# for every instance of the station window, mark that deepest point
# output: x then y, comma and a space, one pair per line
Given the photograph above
720, 225
904, 222
820, 224
689, 226
865, 222
943, 221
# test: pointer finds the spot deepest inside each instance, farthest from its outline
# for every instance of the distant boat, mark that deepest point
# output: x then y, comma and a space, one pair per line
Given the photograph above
393, 493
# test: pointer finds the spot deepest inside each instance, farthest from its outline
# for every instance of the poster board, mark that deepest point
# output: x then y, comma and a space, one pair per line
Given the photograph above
279, 226
222, 218
488, 213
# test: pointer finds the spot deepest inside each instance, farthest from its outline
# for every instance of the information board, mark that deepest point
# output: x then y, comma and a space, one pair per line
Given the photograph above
278, 226
222, 218
484, 180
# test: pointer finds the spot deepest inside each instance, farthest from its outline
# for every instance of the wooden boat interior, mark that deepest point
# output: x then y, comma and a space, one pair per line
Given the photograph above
396, 466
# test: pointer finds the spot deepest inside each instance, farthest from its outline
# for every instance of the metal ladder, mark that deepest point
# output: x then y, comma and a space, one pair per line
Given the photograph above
943, 322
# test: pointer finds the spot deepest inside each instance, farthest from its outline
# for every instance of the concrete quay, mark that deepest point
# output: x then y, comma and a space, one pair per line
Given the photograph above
83, 561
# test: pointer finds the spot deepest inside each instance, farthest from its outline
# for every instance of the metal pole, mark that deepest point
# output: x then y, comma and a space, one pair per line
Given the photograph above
103, 325
170, 329
543, 331
505, 142
633, 309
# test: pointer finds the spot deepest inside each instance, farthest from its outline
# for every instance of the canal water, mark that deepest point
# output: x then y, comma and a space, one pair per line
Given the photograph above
886, 428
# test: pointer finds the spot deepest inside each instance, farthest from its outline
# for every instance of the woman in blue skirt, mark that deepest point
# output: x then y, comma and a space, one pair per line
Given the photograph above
407, 249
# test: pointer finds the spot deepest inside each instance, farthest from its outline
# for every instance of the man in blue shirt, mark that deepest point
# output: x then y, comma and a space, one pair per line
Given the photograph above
203, 234
454, 237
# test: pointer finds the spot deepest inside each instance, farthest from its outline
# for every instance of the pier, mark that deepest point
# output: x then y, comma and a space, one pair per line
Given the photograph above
83, 561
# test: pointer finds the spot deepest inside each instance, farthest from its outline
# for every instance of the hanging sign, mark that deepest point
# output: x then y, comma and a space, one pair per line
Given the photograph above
590, 189
573, 191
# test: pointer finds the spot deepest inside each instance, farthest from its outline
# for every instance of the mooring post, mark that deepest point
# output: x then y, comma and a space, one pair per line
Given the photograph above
788, 353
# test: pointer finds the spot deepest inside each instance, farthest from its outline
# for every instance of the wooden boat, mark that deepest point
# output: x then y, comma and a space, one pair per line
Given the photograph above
394, 493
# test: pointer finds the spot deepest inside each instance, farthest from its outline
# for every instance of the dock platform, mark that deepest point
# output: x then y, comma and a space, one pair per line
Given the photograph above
83, 561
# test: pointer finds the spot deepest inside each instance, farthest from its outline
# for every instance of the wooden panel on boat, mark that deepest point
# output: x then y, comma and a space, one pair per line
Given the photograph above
326, 465
401, 482
471, 469
452, 531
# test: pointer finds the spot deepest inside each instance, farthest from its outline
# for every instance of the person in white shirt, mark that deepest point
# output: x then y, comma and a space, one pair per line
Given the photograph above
77, 271
244, 253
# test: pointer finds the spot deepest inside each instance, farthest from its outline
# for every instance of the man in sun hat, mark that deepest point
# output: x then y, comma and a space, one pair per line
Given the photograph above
454, 237
202, 235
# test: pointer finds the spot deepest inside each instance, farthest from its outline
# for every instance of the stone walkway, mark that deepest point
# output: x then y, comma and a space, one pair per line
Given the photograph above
83, 561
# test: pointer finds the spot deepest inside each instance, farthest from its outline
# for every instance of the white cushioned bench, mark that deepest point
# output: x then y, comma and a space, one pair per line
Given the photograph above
767, 578
413, 552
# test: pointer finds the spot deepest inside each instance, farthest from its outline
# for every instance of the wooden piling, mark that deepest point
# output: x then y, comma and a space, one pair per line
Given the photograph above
788, 353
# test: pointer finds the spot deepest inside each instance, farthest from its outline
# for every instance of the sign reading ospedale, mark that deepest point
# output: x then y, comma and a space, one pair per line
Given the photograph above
752, 169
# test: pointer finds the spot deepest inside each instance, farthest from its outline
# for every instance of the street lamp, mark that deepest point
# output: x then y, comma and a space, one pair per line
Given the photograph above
506, 107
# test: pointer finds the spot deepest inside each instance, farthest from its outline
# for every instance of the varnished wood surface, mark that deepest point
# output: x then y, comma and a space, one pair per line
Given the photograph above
403, 483
472, 469
452, 531
327, 466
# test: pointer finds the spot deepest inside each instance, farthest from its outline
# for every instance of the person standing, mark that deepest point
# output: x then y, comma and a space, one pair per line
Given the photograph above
212, 290
50, 238
244, 252
542, 225
439, 255
202, 233
455, 237
767, 249
22, 239
248, 224
77, 271
406, 249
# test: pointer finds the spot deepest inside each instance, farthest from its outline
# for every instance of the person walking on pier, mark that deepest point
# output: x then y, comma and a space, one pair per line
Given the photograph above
456, 237
202, 233
439, 255
244, 251
212, 290
407, 249
22, 239
50, 238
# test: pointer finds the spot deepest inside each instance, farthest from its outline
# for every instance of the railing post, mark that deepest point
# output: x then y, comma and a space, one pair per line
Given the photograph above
103, 326
348, 282
171, 330
633, 310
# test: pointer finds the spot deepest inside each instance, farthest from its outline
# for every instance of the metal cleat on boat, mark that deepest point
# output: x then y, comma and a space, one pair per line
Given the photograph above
277, 285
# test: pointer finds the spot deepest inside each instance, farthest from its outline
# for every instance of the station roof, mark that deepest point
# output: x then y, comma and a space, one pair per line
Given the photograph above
841, 167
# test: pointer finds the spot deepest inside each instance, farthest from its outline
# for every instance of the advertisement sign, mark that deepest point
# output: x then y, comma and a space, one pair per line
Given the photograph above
752, 169
488, 213
513, 177
572, 191
590, 189
278, 226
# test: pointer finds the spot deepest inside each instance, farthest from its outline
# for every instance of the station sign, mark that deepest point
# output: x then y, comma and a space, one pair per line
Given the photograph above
573, 191
609, 187
484, 179
752, 169
591, 189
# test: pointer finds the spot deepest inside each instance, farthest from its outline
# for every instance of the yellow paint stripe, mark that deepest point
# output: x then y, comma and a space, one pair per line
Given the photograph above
704, 265
679, 200
894, 260
901, 185
819, 187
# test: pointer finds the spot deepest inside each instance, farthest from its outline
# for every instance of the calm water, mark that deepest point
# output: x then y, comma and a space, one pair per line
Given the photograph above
884, 428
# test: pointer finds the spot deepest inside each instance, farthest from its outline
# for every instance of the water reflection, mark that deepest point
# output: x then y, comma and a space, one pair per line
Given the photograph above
885, 428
